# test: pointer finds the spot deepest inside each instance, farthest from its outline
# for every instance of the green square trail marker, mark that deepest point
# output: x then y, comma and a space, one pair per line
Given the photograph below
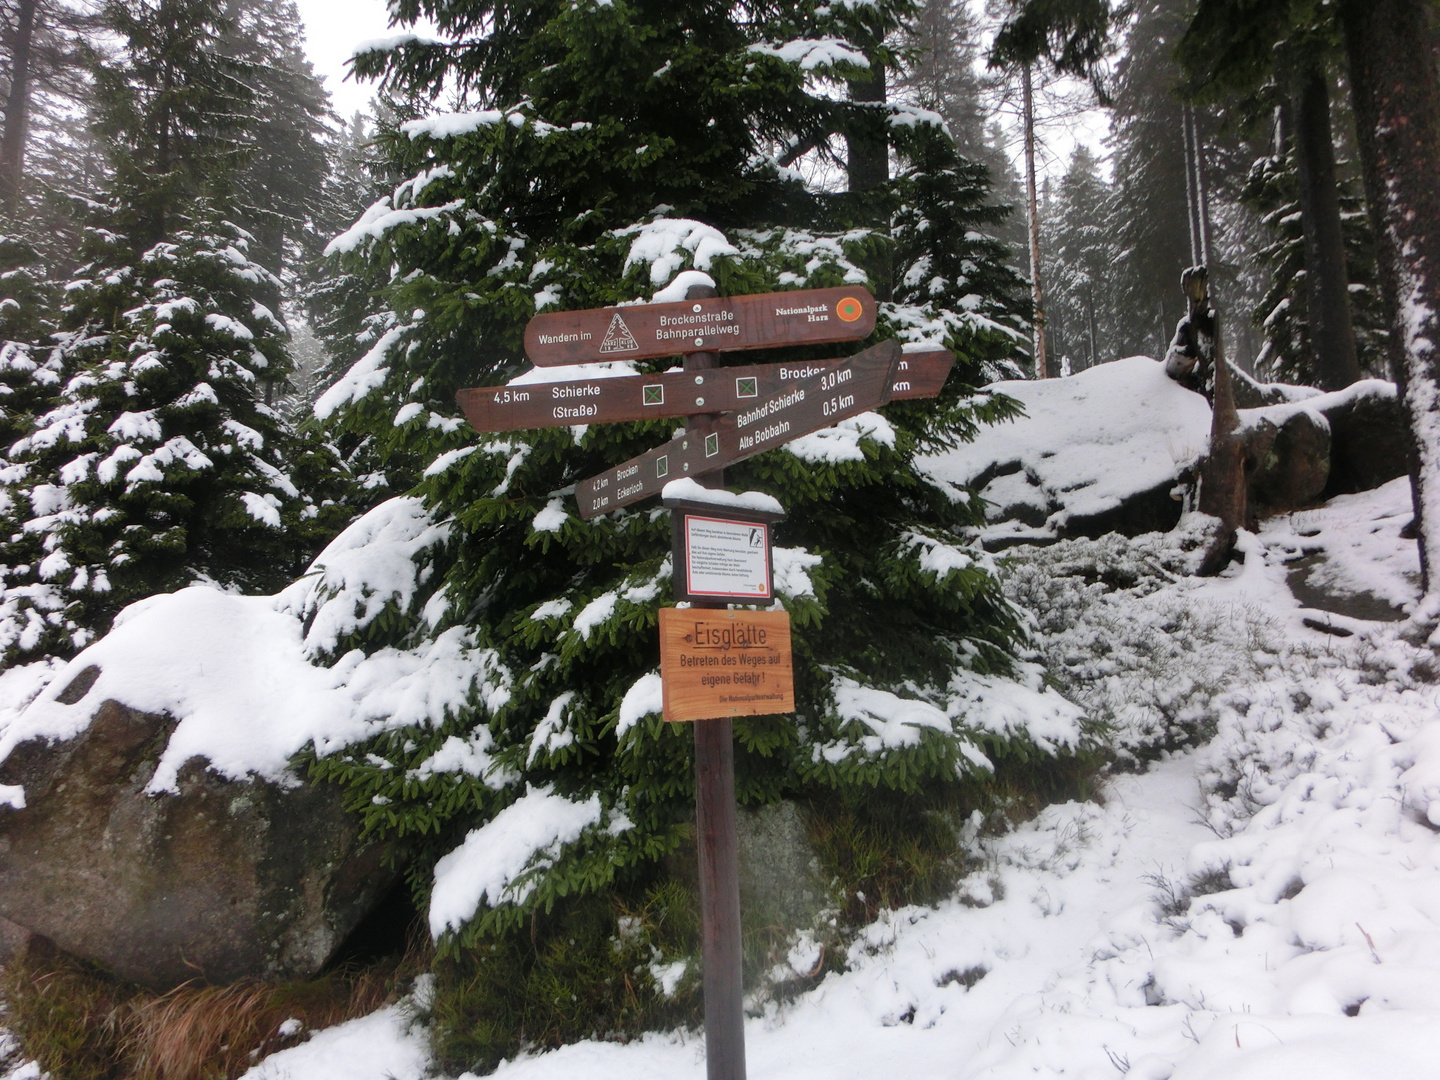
654, 394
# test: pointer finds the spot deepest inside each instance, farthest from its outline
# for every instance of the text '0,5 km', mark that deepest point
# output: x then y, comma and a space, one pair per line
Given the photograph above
859, 384
713, 324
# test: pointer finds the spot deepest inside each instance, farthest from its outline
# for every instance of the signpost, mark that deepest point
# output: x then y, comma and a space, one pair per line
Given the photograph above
715, 664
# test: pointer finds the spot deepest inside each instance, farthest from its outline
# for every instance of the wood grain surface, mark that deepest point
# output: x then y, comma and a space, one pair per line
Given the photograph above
716, 663
711, 324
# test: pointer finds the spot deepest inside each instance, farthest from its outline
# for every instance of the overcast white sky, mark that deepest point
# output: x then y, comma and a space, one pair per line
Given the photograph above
333, 28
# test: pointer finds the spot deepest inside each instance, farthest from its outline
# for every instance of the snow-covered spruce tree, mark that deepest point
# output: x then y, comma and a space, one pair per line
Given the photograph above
1286, 353
613, 145
27, 302
30, 377
343, 304
1080, 315
157, 465
279, 186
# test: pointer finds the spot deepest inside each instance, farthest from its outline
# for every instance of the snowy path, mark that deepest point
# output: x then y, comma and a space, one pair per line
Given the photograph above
1058, 889
902, 1010
1264, 907
1296, 933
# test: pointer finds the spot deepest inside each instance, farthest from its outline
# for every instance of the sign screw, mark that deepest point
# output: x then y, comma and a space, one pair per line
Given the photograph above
699, 401
699, 342
699, 380
695, 308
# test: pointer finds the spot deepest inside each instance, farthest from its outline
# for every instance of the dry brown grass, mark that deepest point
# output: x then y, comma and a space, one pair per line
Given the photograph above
83, 1026
215, 1032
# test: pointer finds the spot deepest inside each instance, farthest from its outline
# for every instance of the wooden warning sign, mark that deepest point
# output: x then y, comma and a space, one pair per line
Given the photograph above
714, 324
623, 398
717, 663
838, 392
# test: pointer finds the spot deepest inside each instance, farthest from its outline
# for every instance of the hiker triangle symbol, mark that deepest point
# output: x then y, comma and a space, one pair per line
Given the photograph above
618, 338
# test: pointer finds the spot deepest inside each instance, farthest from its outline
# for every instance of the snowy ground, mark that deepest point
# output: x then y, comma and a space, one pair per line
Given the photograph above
1255, 894
1264, 905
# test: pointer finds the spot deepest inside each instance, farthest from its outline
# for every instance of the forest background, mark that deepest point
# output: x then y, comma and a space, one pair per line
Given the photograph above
233, 324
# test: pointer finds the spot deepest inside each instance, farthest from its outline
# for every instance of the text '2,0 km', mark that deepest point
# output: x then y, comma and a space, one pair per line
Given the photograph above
713, 324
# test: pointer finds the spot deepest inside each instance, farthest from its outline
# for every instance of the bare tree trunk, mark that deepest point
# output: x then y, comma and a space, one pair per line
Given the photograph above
1090, 311
1327, 278
1223, 483
1391, 49
17, 109
1192, 198
1037, 290
1202, 204
868, 165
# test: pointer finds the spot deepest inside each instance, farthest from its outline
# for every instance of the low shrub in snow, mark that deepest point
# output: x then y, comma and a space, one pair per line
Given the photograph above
1116, 632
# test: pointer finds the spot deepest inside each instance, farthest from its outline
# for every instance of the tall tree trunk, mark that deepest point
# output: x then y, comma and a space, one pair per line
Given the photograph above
1391, 47
1090, 313
1327, 278
161, 199
1202, 192
1037, 289
17, 109
867, 163
868, 156
1192, 197
1224, 483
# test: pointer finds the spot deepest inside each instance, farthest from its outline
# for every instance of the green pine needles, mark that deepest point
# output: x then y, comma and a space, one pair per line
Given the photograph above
152, 463
611, 146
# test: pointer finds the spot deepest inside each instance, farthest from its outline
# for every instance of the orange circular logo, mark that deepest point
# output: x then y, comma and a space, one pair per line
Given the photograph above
849, 309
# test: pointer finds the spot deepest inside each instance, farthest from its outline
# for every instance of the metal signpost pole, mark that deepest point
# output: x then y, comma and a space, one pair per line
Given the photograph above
716, 845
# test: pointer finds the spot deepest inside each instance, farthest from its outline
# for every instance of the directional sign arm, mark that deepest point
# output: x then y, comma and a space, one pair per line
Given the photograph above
627, 398
713, 324
837, 392
921, 374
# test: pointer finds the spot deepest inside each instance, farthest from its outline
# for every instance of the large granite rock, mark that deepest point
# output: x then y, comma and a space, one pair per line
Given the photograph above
781, 882
1368, 442
224, 880
1314, 447
1290, 458
1113, 449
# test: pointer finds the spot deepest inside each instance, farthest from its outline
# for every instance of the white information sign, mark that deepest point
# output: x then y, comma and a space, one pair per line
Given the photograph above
726, 558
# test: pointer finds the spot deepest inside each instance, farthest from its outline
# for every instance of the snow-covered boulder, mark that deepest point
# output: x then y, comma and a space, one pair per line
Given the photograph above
1109, 449
218, 880
1290, 459
1098, 452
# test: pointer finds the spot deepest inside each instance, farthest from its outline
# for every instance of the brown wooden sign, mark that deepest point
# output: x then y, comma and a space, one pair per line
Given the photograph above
921, 374
715, 324
716, 663
837, 392
624, 398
